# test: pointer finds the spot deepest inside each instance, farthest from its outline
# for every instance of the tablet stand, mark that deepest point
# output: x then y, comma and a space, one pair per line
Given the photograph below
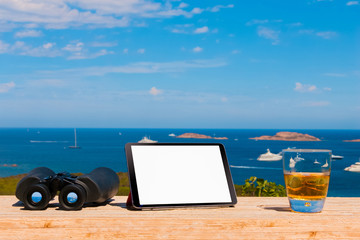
129, 204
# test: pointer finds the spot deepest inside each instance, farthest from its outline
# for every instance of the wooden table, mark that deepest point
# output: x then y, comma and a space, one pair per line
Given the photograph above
252, 218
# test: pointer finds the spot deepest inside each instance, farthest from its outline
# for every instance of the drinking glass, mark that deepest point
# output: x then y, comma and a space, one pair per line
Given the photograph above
307, 175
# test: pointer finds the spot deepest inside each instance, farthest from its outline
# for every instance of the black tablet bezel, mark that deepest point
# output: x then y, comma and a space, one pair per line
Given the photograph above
133, 184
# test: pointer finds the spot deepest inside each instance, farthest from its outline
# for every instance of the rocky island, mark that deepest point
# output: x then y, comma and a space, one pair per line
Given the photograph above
288, 136
200, 136
354, 140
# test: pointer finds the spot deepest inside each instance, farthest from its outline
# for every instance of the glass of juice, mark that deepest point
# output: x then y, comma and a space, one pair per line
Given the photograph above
307, 175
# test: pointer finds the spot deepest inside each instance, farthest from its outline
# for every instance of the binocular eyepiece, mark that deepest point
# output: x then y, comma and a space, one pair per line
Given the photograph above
41, 184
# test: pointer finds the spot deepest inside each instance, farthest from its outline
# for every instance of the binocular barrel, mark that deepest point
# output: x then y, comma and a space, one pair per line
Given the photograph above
98, 186
33, 194
37, 188
102, 183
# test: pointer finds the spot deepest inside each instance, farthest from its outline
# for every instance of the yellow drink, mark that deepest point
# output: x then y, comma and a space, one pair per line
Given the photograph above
306, 185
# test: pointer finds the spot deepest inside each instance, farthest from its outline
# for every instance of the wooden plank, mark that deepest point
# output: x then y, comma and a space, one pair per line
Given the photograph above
251, 218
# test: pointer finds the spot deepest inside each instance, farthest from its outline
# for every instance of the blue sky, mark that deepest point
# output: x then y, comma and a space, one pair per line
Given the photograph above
180, 64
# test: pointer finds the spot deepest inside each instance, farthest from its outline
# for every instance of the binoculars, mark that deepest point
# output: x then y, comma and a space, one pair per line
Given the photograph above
41, 184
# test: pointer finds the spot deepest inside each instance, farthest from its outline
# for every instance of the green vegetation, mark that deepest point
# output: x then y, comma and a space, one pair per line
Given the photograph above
253, 187
8, 184
258, 187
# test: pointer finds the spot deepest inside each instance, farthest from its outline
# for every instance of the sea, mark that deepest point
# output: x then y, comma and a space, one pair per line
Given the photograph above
22, 149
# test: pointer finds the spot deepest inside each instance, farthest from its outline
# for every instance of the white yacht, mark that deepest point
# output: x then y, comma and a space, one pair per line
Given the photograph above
172, 135
268, 156
298, 158
354, 167
316, 162
336, 157
147, 140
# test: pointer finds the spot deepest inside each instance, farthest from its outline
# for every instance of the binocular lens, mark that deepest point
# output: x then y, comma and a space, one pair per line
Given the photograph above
72, 197
36, 197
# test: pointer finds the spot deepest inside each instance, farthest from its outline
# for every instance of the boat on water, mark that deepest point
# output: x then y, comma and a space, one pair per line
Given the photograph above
147, 140
336, 157
325, 165
353, 168
292, 163
75, 146
172, 135
268, 156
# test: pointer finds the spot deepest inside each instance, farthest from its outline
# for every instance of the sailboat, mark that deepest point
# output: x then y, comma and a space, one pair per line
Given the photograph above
75, 146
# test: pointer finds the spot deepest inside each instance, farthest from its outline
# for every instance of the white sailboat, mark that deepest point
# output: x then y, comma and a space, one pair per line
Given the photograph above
75, 146
325, 165
292, 163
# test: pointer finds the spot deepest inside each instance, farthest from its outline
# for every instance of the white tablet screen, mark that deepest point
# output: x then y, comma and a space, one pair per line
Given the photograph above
180, 174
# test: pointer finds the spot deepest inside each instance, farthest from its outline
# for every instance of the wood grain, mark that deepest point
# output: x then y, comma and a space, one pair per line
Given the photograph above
251, 218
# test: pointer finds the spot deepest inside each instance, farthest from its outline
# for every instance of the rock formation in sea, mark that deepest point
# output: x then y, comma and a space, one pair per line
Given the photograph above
200, 136
288, 136
354, 140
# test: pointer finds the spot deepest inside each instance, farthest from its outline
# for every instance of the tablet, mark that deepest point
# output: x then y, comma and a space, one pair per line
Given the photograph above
179, 175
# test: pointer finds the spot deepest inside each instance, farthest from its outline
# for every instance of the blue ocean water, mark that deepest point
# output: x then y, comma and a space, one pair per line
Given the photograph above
30, 148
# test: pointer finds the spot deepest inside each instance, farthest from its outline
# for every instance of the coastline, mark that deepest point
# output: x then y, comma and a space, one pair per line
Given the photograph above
105, 147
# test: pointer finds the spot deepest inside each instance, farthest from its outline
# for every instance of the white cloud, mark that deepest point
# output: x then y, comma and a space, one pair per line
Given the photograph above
73, 50
21, 48
224, 99
306, 31
126, 51
326, 35
268, 33
48, 45
197, 10
296, 24
4, 47
86, 55
103, 44
183, 5
154, 91
28, 33
218, 7
5, 87
204, 29
57, 14
299, 87
47, 83
74, 47
62, 14
327, 89
141, 51
335, 74
316, 104
6, 26
78, 51
350, 3
175, 30
141, 67
31, 25
257, 21
197, 49
235, 51
181, 28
